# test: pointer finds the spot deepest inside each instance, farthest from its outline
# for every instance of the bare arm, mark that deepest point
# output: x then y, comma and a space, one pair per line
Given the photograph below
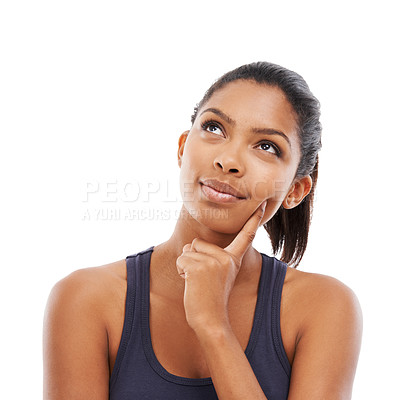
326, 353
230, 370
328, 342
75, 350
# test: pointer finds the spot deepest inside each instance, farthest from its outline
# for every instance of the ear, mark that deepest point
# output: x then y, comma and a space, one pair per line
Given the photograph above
181, 144
299, 189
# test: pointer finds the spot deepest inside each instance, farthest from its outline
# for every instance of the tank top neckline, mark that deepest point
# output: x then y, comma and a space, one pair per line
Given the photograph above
146, 334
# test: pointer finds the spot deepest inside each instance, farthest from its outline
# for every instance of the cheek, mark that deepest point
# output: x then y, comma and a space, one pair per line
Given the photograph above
193, 155
186, 183
188, 179
272, 186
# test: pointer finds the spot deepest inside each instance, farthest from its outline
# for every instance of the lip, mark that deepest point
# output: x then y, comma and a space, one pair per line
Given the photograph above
221, 192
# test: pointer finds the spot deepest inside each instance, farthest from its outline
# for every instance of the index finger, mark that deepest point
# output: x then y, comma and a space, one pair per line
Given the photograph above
246, 235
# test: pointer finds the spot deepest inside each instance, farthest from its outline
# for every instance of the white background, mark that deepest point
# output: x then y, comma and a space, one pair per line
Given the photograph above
96, 92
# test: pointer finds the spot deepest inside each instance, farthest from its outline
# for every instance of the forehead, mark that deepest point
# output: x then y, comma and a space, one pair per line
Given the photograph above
254, 104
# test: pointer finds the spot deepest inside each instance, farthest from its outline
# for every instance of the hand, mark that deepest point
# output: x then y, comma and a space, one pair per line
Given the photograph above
210, 273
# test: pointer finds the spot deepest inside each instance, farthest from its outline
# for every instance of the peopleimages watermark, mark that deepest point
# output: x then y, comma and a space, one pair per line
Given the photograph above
115, 191
113, 200
129, 214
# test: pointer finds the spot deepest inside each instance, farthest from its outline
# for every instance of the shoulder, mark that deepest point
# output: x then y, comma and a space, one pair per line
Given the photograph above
87, 295
320, 294
314, 302
89, 285
76, 331
93, 292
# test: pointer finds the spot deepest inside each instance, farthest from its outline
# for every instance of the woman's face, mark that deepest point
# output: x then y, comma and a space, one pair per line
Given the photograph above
245, 136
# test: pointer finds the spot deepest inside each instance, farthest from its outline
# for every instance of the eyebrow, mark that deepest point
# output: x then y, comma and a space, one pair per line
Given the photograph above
230, 121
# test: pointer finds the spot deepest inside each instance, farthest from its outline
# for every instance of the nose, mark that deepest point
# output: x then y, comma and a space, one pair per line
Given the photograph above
229, 161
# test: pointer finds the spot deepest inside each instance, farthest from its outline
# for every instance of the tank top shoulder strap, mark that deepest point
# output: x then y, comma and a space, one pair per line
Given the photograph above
134, 271
279, 269
273, 280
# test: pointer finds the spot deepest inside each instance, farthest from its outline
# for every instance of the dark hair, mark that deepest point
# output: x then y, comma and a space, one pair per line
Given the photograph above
288, 228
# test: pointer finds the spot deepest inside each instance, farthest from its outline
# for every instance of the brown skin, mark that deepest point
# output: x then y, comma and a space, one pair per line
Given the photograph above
199, 336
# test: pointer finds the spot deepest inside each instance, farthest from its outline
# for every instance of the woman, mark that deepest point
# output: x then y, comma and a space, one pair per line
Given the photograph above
204, 315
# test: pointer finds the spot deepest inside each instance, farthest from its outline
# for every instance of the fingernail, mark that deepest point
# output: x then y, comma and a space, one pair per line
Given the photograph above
264, 205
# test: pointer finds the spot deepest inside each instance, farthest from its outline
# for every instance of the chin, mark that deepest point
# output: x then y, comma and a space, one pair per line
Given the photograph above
220, 219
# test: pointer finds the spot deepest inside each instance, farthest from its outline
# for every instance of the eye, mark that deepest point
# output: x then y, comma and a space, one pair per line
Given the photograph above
212, 127
270, 148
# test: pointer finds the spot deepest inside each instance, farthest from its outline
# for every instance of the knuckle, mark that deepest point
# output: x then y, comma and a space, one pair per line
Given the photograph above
251, 235
216, 263
226, 259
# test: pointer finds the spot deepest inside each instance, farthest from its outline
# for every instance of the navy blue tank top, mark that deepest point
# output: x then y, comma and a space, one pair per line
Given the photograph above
137, 373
